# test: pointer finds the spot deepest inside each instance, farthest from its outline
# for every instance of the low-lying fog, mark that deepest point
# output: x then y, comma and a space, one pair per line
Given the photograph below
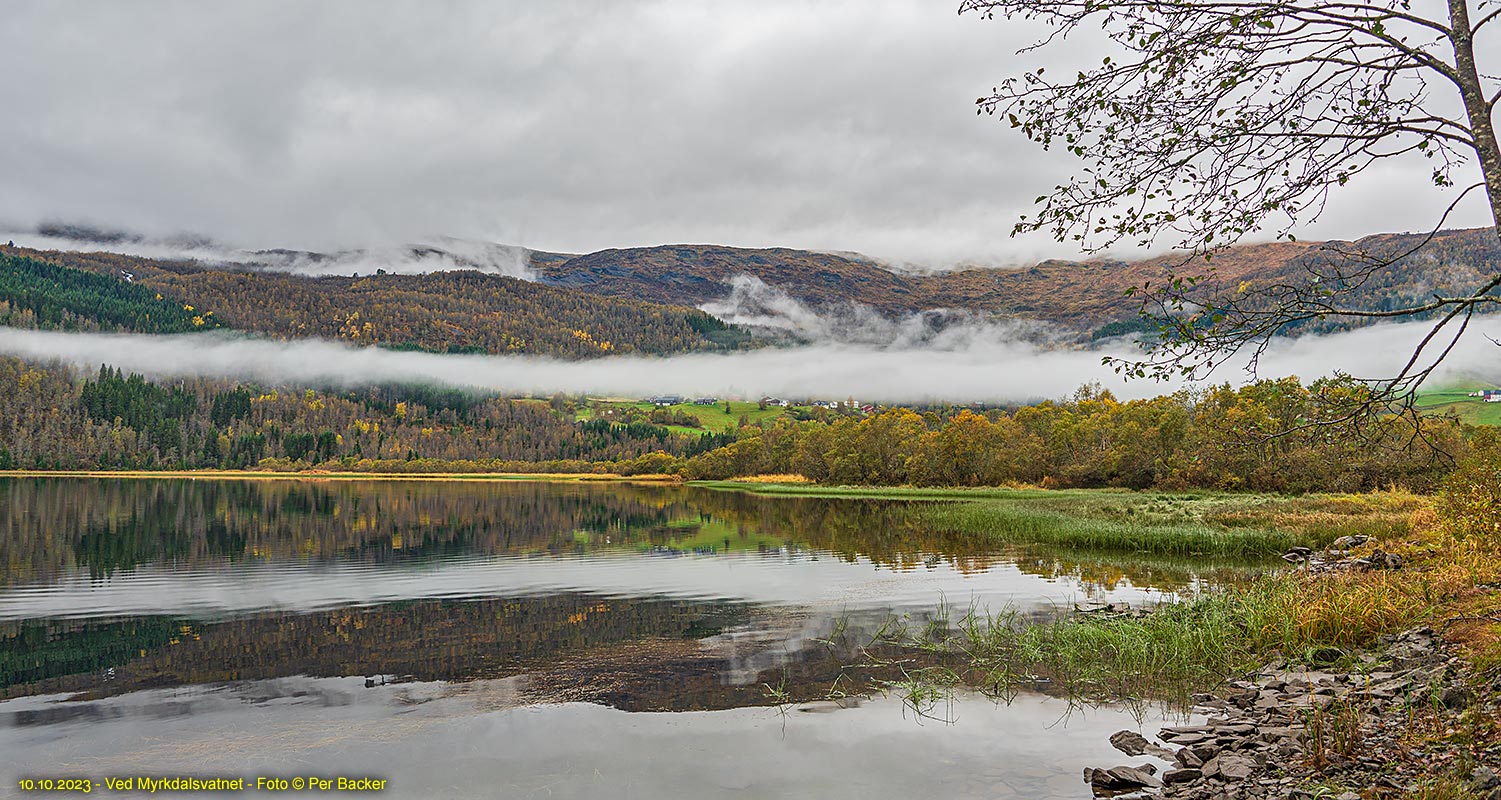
432, 254
985, 370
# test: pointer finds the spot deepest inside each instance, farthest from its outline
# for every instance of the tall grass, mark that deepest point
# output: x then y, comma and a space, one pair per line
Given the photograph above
1177, 650
1016, 522
1164, 523
1196, 644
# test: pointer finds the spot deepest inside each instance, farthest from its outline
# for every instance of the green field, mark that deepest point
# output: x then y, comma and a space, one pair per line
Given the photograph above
1456, 400
712, 418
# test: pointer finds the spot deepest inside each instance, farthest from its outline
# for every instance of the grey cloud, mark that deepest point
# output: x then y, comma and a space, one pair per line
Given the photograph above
751, 302
573, 126
433, 254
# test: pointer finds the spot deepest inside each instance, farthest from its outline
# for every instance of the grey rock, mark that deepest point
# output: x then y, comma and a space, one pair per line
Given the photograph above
1347, 542
1121, 779
1134, 744
1172, 734
1274, 734
1455, 697
1185, 775
1483, 778
1211, 768
1235, 767
1205, 751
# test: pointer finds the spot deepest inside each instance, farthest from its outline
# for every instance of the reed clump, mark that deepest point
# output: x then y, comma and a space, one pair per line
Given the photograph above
1020, 522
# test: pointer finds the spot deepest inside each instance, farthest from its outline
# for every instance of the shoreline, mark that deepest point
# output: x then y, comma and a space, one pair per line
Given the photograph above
549, 477
1304, 730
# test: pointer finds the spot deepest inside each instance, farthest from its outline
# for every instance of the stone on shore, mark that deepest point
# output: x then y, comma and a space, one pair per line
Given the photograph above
1121, 779
1134, 744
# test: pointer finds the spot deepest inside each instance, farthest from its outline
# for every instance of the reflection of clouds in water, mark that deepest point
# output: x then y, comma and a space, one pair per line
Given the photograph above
465, 740
991, 370
828, 584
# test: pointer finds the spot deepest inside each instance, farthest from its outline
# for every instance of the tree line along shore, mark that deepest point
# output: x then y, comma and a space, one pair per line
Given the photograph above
1265, 436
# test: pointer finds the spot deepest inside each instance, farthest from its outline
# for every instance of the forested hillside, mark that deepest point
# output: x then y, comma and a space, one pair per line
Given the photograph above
1219, 438
1084, 296
38, 294
465, 311
57, 419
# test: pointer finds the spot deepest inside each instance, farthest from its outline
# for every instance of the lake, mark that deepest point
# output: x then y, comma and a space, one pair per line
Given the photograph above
494, 638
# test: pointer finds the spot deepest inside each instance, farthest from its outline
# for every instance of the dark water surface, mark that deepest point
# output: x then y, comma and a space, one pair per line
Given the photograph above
514, 639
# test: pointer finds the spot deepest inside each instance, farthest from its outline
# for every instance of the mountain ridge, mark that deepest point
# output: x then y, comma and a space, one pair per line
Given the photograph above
1081, 295
1086, 297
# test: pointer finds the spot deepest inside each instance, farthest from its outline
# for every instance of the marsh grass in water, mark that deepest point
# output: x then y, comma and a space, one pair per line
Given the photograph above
1195, 644
1214, 524
1016, 522
1178, 649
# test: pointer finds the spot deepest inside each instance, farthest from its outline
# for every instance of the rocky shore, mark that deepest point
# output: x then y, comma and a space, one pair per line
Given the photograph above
1385, 728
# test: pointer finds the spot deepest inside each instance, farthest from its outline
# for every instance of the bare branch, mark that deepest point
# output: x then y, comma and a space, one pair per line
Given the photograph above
1483, 20
1224, 118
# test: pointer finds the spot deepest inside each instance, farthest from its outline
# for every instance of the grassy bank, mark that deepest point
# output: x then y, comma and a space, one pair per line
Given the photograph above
1194, 645
1450, 579
1018, 522
1163, 523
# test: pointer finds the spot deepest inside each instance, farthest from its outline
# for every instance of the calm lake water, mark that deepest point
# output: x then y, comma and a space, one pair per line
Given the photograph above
516, 639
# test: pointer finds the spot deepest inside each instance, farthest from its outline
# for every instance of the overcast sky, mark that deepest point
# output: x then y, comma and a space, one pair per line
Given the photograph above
560, 125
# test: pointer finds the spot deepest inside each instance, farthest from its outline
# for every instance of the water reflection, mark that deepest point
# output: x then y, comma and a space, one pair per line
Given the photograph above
636, 596
479, 740
52, 528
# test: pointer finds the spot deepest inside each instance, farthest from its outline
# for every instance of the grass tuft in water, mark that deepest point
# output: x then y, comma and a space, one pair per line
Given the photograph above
1019, 523
1168, 654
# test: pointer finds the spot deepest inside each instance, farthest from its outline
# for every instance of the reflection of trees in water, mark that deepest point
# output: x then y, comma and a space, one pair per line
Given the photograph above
105, 525
427, 640
1106, 571
639, 653
39, 650
891, 533
633, 654
47, 525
